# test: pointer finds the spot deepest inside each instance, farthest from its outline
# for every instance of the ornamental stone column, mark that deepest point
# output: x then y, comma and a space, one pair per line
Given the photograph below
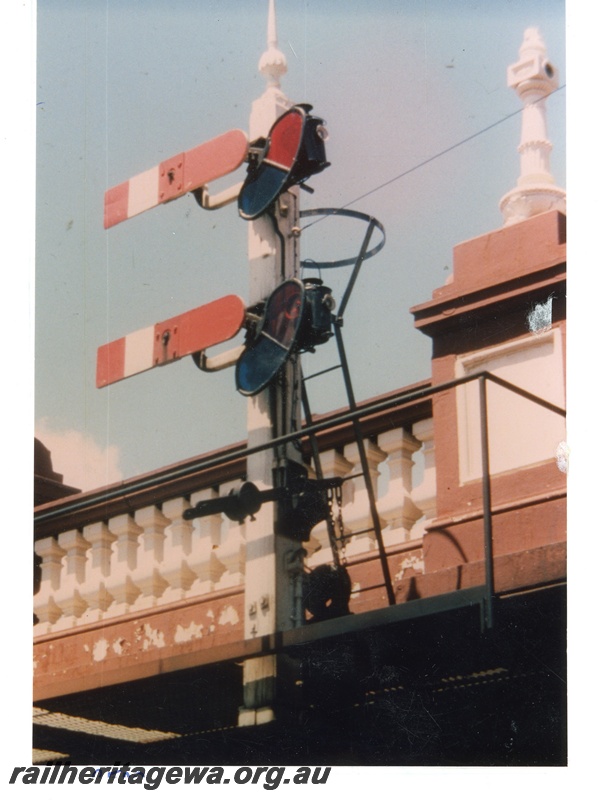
533, 78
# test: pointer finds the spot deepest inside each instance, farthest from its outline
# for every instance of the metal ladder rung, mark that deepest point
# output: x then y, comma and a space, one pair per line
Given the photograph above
322, 372
354, 533
361, 589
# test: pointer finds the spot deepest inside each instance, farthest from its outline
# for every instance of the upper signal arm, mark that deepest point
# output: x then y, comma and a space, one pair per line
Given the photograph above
185, 172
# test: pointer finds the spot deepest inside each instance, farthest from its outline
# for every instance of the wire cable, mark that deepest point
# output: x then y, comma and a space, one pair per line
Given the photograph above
430, 159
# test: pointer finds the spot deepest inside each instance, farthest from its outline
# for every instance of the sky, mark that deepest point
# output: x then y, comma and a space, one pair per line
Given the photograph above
122, 85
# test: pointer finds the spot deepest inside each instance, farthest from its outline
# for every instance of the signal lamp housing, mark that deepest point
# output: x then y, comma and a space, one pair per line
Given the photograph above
317, 322
266, 355
297, 317
293, 151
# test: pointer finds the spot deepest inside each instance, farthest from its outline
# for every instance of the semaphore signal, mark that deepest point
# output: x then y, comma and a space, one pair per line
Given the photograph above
170, 340
292, 152
175, 177
285, 316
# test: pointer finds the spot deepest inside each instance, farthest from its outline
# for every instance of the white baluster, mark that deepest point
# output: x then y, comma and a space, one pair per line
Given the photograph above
396, 509
425, 494
356, 515
122, 564
97, 570
205, 560
147, 575
231, 553
68, 596
44, 604
176, 570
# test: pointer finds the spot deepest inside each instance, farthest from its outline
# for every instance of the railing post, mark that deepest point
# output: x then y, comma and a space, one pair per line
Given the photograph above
123, 563
44, 604
397, 508
176, 569
425, 494
68, 596
97, 570
487, 611
208, 547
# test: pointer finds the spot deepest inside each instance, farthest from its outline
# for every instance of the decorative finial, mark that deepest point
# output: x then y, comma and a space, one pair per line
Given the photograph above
533, 77
273, 63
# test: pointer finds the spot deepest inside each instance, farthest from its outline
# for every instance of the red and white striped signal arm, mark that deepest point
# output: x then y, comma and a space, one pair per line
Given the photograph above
176, 176
186, 334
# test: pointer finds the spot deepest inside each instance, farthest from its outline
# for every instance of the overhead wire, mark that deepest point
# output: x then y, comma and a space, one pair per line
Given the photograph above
429, 160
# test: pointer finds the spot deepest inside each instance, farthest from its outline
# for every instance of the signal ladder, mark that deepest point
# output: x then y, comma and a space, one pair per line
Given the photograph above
337, 534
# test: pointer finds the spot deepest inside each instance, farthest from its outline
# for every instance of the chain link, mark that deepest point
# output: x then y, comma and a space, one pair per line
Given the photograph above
335, 497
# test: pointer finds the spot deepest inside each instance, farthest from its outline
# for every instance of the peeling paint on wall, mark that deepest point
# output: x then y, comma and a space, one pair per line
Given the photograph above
539, 319
192, 631
228, 616
149, 637
100, 650
210, 615
414, 562
120, 646
562, 456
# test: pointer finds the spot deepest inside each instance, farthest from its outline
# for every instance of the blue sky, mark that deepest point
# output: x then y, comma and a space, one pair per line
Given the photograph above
123, 84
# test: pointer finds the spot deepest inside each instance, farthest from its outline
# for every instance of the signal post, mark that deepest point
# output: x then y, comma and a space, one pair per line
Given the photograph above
273, 599
283, 148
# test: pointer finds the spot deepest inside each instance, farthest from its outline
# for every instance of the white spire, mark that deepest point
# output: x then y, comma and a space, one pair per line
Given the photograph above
272, 63
533, 77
